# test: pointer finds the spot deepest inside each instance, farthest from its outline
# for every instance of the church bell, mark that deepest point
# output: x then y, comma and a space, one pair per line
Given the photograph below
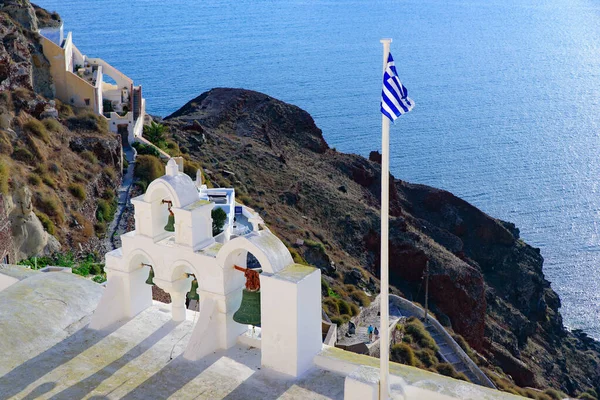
170, 226
249, 311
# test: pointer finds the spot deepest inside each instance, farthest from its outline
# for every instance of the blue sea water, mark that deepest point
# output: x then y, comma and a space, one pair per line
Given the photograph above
507, 94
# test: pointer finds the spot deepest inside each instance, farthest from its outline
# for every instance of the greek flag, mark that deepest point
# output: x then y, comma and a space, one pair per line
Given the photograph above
394, 96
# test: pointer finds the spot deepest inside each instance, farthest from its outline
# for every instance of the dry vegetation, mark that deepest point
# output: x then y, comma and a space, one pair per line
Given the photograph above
65, 181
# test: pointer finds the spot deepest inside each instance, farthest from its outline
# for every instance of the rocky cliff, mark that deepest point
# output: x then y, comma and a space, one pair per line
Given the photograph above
55, 161
485, 283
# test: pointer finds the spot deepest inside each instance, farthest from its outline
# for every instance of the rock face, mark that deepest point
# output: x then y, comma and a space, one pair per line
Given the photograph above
22, 63
29, 237
482, 278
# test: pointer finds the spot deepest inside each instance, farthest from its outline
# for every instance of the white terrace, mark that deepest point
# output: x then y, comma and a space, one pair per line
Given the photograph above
92, 82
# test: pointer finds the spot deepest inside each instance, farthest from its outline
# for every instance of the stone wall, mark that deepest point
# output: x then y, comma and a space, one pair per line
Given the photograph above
7, 248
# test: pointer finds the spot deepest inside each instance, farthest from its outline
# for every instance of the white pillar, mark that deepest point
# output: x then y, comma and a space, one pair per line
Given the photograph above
290, 319
178, 306
177, 290
384, 358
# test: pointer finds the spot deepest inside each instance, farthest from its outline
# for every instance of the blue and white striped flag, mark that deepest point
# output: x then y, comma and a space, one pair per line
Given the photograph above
394, 96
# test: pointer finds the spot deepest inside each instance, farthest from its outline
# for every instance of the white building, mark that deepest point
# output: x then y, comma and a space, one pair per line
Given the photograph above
83, 81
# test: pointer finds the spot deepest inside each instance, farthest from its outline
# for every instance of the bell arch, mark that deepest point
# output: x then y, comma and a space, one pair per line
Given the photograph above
270, 252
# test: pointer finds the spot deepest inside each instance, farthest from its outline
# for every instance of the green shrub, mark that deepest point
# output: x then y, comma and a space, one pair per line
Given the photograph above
99, 279
587, 396
297, 257
82, 270
190, 168
446, 369
89, 157
37, 128
49, 181
64, 260
555, 394
52, 125
331, 306
145, 149
5, 143
360, 297
22, 154
148, 168
155, 133
407, 339
427, 357
403, 354
46, 222
100, 229
462, 377
96, 268
34, 180
324, 286
172, 148
105, 210
463, 344
109, 194
344, 307
64, 110
4, 174
39, 155
77, 191
125, 165
51, 207
218, 220
355, 310
87, 121
592, 392
315, 245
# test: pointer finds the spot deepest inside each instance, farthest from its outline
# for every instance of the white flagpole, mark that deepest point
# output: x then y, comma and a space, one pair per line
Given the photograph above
384, 347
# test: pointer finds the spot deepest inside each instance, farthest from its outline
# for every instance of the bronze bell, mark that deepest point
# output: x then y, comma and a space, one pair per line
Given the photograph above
249, 311
150, 280
170, 226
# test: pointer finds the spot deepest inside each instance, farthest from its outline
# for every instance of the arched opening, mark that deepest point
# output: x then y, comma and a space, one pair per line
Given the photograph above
108, 79
161, 201
185, 271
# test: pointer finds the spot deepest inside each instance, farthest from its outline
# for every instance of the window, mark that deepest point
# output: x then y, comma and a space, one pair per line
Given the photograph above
87, 102
5, 259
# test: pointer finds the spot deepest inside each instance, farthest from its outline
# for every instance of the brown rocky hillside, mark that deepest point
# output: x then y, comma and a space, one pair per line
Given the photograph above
486, 283
56, 163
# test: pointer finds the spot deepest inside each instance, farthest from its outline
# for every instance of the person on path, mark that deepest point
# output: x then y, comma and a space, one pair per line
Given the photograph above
376, 332
370, 332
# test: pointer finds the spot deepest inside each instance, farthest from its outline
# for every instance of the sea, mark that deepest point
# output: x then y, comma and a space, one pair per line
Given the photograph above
507, 96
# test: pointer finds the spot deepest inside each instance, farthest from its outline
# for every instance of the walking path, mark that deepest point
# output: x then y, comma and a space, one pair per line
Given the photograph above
449, 349
400, 308
123, 197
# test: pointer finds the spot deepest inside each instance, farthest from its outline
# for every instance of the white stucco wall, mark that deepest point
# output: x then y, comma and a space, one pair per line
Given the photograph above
291, 319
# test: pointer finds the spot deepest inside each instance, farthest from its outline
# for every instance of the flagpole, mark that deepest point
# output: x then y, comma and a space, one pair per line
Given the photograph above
384, 347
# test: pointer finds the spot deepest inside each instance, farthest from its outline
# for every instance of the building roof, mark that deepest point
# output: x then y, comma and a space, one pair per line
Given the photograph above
47, 352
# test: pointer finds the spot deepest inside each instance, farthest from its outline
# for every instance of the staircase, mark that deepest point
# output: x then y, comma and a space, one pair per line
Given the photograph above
137, 102
449, 356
